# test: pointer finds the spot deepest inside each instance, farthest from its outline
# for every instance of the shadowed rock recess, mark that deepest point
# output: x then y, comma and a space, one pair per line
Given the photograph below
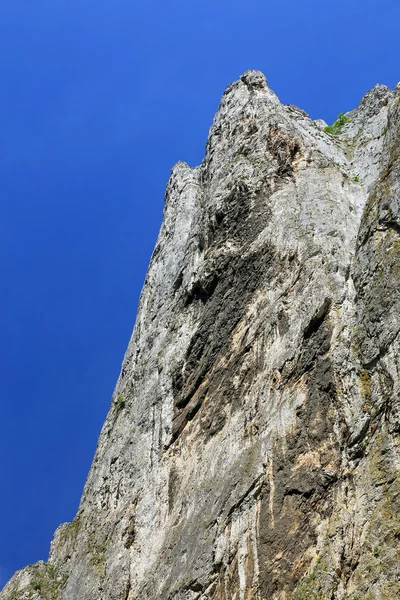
252, 448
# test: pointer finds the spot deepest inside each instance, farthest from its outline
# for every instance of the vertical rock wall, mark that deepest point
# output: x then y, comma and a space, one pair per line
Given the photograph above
251, 448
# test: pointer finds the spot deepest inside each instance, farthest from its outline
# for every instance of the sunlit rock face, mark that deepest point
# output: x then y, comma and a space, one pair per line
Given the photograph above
251, 451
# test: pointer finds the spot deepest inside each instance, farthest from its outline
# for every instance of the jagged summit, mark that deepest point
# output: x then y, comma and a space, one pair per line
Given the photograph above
376, 98
251, 451
253, 80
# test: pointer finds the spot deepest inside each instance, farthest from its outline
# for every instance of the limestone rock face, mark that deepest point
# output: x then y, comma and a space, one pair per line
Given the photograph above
252, 448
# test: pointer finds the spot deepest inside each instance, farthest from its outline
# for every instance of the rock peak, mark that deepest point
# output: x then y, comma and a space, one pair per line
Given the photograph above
376, 98
252, 445
255, 80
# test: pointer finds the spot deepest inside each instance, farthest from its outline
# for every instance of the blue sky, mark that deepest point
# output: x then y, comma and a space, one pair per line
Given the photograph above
98, 100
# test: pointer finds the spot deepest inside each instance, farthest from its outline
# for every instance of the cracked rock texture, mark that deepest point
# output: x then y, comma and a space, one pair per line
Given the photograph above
252, 448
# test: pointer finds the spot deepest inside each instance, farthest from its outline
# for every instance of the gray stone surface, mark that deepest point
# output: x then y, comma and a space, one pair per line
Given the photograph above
251, 451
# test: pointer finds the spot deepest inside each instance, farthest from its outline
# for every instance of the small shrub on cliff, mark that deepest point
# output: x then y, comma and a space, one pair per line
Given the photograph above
337, 126
120, 402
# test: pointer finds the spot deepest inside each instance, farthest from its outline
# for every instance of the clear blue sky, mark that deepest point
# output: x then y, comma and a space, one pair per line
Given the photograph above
98, 100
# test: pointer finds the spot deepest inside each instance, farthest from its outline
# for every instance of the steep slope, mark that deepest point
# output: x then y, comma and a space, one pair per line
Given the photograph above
251, 451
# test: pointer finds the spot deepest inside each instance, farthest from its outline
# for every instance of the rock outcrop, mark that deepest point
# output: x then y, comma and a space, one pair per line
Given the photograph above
252, 448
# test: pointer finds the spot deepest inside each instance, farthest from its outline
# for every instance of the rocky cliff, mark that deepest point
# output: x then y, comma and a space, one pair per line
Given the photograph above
252, 448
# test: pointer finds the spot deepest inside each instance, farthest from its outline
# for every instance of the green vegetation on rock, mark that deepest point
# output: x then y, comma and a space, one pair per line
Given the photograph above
311, 586
44, 581
337, 126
